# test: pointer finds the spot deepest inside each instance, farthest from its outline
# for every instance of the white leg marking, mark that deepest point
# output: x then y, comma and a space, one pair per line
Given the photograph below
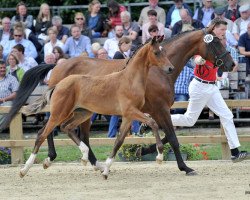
28, 165
98, 166
47, 163
159, 157
85, 152
107, 166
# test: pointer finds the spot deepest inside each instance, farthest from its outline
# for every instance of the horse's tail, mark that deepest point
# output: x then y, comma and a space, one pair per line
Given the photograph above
39, 103
28, 84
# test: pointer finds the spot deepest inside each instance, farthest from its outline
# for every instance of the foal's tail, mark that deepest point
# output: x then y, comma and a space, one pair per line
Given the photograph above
39, 103
28, 84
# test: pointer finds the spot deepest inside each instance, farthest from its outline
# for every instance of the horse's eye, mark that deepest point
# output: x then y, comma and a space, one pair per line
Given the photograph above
157, 53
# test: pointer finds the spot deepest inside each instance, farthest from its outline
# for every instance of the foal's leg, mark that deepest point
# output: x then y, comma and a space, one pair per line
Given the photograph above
79, 116
84, 136
124, 129
42, 135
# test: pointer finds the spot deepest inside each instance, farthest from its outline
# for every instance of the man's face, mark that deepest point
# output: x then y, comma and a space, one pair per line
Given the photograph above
18, 35
185, 18
152, 18
2, 70
102, 54
119, 31
178, 4
232, 2
153, 3
6, 25
208, 3
220, 31
245, 15
75, 32
125, 18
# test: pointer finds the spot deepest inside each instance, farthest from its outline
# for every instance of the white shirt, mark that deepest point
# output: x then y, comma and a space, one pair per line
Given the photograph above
111, 46
243, 26
175, 17
48, 47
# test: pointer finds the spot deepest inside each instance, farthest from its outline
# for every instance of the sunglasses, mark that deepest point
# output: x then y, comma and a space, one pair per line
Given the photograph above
79, 18
18, 35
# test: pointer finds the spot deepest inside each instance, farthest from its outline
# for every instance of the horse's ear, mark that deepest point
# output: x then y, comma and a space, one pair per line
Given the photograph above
210, 28
160, 38
154, 40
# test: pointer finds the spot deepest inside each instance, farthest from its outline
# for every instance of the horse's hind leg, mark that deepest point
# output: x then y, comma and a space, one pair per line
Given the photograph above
42, 135
124, 129
84, 136
79, 116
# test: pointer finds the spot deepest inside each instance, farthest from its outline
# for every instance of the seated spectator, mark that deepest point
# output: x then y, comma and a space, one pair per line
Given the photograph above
152, 16
244, 47
53, 41
173, 14
30, 49
153, 5
181, 87
186, 23
59, 54
127, 24
232, 10
205, 13
22, 16
111, 44
77, 43
13, 67
1, 52
6, 33
220, 13
114, 16
102, 54
240, 25
8, 86
25, 62
63, 31
94, 19
43, 22
95, 47
80, 21
136, 41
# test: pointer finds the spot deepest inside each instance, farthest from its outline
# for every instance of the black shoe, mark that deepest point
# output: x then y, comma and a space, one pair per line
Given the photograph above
243, 155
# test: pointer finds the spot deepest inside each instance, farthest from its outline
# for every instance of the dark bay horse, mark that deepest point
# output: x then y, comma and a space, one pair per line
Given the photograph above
74, 99
159, 90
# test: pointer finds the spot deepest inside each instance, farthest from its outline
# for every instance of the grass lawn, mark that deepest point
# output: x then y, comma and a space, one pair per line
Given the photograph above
73, 154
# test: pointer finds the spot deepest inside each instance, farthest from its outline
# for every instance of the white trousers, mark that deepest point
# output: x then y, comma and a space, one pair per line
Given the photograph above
201, 95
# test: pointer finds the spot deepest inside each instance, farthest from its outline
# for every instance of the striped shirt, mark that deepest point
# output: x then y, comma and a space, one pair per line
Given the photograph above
183, 80
233, 52
8, 85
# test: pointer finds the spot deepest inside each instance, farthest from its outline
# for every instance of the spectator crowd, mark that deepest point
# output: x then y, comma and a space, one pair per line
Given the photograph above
26, 40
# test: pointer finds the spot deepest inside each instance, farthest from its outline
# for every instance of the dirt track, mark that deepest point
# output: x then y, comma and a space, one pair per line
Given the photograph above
141, 180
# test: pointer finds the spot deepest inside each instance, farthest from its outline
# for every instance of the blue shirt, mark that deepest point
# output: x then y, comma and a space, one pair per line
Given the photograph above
183, 80
207, 15
75, 48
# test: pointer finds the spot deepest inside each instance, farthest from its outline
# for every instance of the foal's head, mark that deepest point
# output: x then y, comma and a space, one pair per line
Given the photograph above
212, 47
156, 55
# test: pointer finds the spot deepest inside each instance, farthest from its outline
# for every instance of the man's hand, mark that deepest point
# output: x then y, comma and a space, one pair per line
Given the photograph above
198, 60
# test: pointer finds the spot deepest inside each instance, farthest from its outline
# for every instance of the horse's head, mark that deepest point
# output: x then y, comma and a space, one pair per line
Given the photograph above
156, 55
213, 49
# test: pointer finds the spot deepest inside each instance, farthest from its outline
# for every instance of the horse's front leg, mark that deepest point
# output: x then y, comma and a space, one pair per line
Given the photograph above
42, 135
124, 129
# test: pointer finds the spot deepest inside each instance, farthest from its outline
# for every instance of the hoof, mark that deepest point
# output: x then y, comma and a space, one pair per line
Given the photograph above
159, 161
46, 163
192, 173
105, 176
21, 174
84, 162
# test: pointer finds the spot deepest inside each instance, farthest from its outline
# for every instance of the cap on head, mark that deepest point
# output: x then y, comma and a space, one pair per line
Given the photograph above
219, 10
244, 7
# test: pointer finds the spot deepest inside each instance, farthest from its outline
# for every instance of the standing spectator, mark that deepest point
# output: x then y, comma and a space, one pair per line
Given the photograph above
244, 47
25, 62
6, 33
173, 14
111, 44
53, 41
232, 10
8, 86
22, 16
80, 21
63, 31
206, 13
77, 43
13, 67
152, 16
43, 22
186, 23
124, 46
153, 5
94, 19
127, 24
30, 49
114, 16
240, 25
